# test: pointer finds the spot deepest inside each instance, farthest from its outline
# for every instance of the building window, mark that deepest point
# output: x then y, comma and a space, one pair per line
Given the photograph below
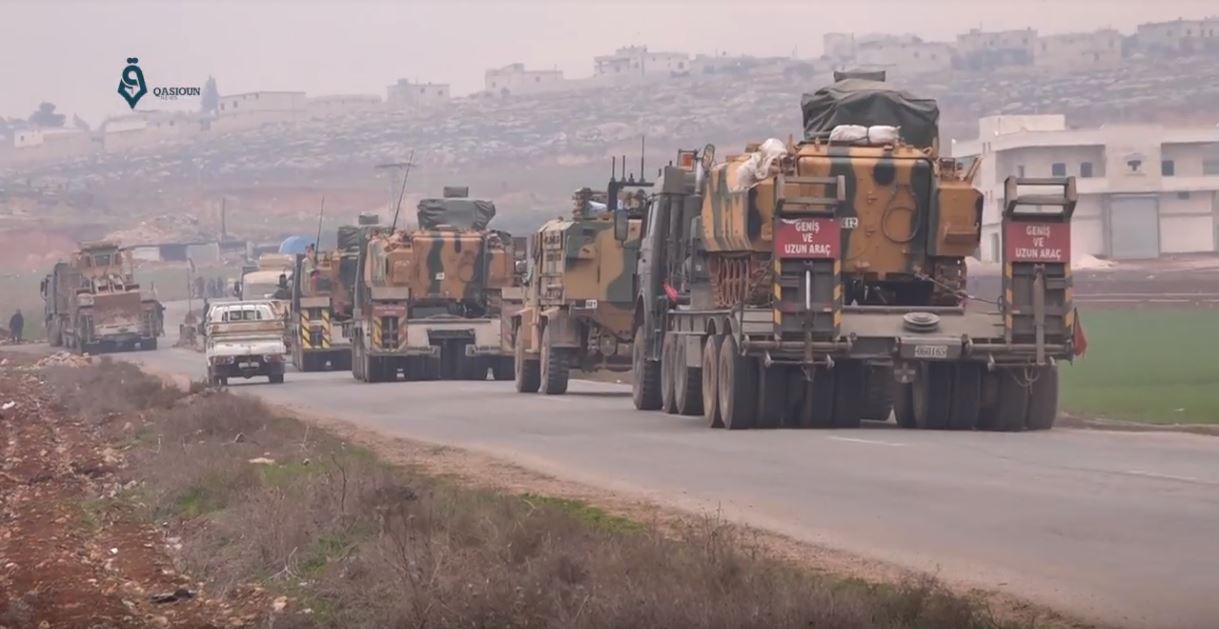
1058, 169
1210, 167
1020, 171
1168, 168
1183, 195
1085, 169
537, 79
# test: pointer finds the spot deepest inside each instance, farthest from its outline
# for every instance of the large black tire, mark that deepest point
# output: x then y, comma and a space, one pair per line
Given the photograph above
1043, 399
933, 396
710, 382
687, 382
54, 334
818, 409
556, 365
878, 393
276, 378
528, 372
903, 405
645, 382
358, 365
849, 378
738, 382
772, 396
966, 396
474, 368
668, 401
502, 368
148, 345
1010, 410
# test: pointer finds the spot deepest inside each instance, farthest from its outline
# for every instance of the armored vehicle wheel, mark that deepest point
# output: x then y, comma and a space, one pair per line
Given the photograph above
903, 405
645, 382
818, 409
687, 382
772, 396
149, 345
878, 393
528, 372
933, 396
54, 335
738, 381
502, 368
276, 378
556, 365
710, 382
1043, 399
668, 403
848, 383
966, 396
1010, 408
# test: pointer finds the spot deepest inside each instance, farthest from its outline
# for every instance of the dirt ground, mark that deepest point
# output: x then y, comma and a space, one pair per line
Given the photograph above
70, 556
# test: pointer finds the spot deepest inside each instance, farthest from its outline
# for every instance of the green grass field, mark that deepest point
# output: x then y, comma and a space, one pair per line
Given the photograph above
1149, 366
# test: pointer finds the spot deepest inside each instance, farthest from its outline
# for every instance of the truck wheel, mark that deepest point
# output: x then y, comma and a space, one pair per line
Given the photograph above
710, 382
645, 383
687, 382
528, 372
357, 361
1011, 405
473, 368
502, 368
668, 401
878, 393
903, 405
556, 365
738, 381
772, 396
848, 384
276, 378
933, 396
966, 396
818, 410
1043, 399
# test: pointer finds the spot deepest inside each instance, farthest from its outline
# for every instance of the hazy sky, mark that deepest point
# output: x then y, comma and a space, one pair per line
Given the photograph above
72, 53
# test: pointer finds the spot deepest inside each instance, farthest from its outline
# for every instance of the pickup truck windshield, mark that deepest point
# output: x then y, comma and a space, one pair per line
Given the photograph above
242, 313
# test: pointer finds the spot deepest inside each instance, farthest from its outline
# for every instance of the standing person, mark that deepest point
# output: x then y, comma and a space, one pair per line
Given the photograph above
15, 325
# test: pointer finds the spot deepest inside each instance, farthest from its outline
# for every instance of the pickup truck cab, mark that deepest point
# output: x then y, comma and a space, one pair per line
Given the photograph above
245, 339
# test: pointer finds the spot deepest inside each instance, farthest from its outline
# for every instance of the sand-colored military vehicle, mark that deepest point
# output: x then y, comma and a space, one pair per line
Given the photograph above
430, 300
580, 292
773, 282
93, 303
323, 290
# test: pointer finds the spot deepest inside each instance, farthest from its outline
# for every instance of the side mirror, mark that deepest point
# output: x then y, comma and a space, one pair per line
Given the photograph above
622, 225
521, 266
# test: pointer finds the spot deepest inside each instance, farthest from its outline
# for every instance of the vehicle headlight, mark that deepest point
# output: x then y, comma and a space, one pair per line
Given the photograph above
224, 360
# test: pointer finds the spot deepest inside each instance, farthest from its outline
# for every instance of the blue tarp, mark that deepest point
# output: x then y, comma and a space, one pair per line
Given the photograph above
293, 245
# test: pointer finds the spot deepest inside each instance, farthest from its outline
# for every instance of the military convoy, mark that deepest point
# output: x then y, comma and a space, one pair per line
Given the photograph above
774, 283
429, 301
92, 303
579, 300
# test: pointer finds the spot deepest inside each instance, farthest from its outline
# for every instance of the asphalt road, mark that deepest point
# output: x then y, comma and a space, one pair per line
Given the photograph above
1119, 527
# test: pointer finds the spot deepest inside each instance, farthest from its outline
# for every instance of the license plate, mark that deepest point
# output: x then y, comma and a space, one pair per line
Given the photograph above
806, 237
931, 351
247, 365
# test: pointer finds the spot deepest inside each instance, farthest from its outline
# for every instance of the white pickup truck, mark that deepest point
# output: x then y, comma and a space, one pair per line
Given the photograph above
245, 339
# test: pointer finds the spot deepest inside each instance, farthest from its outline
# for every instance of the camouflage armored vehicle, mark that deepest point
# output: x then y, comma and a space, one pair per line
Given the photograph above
93, 303
429, 302
773, 283
323, 289
580, 294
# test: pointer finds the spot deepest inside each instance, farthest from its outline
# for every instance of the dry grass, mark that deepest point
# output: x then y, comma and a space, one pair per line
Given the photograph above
362, 544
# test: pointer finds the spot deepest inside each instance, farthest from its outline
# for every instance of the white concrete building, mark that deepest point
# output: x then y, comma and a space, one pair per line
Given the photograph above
341, 105
38, 144
1179, 36
405, 94
1079, 51
1144, 190
139, 130
254, 109
639, 62
980, 49
516, 79
905, 57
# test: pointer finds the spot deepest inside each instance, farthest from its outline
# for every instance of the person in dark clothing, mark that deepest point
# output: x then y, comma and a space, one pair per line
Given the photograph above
282, 291
15, 326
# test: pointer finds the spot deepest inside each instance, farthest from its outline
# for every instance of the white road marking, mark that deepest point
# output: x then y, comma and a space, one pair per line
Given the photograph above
1188, 479
869, 442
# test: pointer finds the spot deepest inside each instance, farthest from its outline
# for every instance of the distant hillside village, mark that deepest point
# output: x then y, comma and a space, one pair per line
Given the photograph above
904, 57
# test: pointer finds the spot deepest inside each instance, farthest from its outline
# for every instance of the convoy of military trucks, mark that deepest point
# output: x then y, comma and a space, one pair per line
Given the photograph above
812, 283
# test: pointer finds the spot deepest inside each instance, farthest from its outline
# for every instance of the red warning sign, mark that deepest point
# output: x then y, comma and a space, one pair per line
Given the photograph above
1037, 242
807, 237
